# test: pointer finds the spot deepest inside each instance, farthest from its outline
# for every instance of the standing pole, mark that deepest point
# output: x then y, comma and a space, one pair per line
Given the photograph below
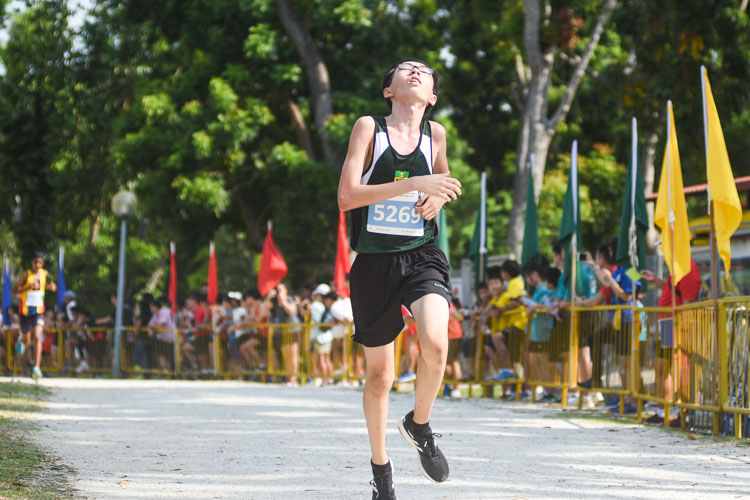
717, 367
675, 323
120, 299
573, 347
633, 245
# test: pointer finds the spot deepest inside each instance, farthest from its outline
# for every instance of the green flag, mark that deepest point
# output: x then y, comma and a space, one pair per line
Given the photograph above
631, 241
570, 226
478, 248
531, 248
442, 239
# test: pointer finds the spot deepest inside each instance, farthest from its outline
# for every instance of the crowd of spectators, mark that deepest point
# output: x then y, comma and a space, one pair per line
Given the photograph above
245, 323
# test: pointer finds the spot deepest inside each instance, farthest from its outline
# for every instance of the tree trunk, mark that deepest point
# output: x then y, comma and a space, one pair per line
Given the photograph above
317, 77
155, 278
537, 129
255, 238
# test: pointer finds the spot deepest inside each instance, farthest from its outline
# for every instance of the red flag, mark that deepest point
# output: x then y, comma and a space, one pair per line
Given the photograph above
343, 264
213, 280
272, 266
172, 277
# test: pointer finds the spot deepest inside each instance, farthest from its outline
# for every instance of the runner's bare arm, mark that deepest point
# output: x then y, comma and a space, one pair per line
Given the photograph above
352, 194
19, 288
429, 206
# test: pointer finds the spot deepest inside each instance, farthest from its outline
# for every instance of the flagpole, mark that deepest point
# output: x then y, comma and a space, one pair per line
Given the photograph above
634, 259
714, 264
675, 322
574, 259
482, 227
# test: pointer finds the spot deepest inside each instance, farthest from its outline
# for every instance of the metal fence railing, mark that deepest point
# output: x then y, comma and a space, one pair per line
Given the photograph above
697, 361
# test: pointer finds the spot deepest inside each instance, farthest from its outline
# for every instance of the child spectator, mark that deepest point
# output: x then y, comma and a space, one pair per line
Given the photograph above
410, 348
510, 323
455, 338
161, 331
201, 330
256, 338
544, 281
478, 323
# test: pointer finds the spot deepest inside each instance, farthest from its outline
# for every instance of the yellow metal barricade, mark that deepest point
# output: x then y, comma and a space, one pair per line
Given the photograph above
52, 360
734, 347
548, 352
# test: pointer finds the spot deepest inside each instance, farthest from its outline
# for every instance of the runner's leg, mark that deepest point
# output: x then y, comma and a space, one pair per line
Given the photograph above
431, 315
379, 367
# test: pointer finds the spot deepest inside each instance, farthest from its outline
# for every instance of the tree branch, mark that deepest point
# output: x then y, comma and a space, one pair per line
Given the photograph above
300, 127
523, 80
577, 76
317, 76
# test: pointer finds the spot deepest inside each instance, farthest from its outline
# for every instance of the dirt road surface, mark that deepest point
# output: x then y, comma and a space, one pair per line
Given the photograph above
138, 439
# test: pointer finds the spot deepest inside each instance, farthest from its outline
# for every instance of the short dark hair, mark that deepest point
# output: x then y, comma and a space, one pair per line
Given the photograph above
38, 255
607, 251
482, 284
557, 248
493, 273
533, 267
254, 293
156, 302
331, 295
511, 267
552, 275
388, 78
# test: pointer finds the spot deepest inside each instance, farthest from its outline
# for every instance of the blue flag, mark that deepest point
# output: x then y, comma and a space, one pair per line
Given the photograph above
60, 280
6, 295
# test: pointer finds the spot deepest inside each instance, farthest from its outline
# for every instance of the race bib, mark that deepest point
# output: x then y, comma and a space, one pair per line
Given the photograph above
35, 298
397, 216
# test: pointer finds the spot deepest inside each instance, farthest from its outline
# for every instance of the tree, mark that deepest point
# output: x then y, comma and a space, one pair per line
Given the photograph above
534, 71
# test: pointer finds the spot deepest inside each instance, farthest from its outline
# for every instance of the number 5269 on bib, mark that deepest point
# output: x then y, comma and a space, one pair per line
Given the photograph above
397, 216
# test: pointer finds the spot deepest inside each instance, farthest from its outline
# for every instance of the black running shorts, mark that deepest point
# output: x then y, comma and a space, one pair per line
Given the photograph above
381, 283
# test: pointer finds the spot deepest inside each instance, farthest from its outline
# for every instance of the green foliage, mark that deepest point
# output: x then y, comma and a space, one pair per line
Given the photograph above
601, 187
203, 109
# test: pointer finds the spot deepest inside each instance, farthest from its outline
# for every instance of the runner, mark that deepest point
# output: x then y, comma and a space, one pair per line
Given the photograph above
395, 179
30, 288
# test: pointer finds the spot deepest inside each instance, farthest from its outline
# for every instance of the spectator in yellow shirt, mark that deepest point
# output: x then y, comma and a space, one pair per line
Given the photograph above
508, 323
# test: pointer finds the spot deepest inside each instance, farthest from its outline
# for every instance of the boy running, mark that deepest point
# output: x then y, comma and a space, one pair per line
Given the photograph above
30, 289
395, 180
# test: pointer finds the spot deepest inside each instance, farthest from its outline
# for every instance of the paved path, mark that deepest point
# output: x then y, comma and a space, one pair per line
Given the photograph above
171, 439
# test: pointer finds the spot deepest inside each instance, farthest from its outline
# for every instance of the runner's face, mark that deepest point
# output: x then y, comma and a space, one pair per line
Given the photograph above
37, 264
412, 78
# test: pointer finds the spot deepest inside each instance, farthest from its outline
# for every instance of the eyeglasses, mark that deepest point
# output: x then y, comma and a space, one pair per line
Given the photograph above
421, 68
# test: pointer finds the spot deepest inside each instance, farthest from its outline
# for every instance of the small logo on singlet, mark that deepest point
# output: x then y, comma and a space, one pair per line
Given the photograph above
441, 286
401, 175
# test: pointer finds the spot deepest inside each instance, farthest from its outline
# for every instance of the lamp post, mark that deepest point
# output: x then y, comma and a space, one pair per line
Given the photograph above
123, 205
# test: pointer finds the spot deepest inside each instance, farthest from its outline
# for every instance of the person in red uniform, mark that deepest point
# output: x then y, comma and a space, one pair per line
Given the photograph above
686, 291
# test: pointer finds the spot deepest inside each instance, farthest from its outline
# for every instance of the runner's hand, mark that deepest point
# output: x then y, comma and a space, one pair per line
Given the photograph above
442, 186
429, 206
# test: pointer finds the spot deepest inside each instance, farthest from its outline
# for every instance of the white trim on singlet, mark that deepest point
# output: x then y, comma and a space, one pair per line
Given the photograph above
380, 145
425, 145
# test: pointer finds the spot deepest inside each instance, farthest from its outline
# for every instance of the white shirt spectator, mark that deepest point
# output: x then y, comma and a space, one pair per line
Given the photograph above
163, 319
341, 310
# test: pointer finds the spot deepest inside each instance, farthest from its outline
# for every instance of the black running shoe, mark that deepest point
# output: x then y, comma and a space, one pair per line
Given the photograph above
382, 486
432, 462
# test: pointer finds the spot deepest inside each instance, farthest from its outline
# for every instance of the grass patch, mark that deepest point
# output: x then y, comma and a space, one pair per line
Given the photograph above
25, 470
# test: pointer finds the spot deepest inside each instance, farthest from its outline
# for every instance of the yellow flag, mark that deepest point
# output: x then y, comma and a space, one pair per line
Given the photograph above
670, 207
727, 208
